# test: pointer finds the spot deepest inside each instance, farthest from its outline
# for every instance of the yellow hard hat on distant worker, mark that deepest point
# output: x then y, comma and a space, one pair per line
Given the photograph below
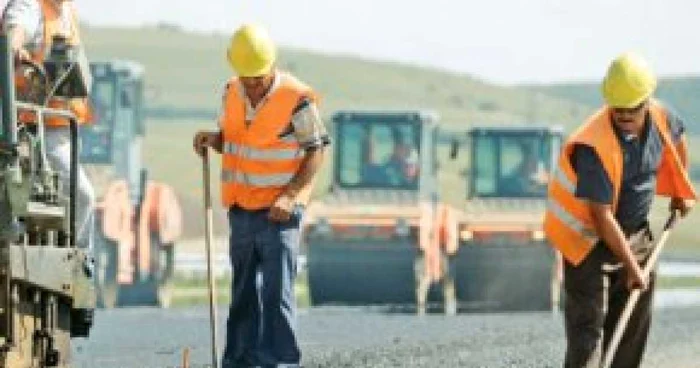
251, 52
629, 81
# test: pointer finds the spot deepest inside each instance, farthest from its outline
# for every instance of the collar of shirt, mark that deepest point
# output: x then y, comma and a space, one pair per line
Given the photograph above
624, 137
251, 111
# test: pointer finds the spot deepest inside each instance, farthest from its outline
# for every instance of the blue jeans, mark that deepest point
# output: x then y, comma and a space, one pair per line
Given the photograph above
262, 316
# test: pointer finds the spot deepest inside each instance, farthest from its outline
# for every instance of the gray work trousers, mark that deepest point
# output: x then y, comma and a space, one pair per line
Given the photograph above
596, 294
58, 154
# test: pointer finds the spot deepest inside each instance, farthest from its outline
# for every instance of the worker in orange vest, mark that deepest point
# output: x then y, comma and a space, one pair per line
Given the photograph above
33, 25
599, 200
272, 143
436, 261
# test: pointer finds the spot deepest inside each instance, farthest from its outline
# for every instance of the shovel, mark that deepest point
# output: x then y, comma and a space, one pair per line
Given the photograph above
208, 215
635, 294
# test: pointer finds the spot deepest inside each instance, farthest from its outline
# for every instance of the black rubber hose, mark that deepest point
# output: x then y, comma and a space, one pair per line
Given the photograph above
73, 176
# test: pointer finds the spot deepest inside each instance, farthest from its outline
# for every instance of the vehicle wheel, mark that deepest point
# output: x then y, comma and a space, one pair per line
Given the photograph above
106, 273
164, 274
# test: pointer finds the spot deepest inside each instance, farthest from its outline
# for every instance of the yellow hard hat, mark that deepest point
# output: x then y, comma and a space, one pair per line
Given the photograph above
629, 81
251, 52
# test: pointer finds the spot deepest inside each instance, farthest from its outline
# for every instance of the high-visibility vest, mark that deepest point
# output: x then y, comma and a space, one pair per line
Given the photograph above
52, 27
260, 157
568, 222
437, 236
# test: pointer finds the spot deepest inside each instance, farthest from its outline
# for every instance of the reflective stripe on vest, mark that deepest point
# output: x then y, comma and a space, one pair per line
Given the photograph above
262, 154
256, 163
272, 180
568, 222
559, 176
572, 222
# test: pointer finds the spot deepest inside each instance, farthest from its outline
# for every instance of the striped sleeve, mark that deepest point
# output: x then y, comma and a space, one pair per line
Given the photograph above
308, 126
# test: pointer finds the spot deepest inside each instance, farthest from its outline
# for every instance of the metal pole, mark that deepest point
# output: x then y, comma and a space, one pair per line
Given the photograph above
208, 220
9, 136
186, 358
634, 296
7, 86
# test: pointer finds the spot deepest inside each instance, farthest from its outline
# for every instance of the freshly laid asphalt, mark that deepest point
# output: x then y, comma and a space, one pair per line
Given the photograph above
374, 337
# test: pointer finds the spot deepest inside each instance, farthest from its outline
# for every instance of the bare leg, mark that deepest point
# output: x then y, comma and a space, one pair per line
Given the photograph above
448, 286
422, 285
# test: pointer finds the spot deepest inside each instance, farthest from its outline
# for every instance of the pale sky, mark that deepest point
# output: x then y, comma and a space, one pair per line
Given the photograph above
504, 41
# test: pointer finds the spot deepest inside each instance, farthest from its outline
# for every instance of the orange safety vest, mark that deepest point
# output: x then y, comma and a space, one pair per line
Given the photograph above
438, 235
257, 160
568, 223
52, 27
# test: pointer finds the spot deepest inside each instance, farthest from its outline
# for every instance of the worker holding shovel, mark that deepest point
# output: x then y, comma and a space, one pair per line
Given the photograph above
599, 201
272, 143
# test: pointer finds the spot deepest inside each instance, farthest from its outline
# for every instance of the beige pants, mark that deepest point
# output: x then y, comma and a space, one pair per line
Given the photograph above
58, 154
423, 282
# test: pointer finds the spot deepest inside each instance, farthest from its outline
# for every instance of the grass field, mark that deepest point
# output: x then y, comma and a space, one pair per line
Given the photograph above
189, 292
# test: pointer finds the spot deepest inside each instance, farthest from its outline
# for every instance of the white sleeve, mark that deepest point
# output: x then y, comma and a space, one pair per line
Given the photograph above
23, 13
222, 107
309, 129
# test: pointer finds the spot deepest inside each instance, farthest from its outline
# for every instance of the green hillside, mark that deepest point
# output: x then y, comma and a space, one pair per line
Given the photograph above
680, 93
186, 73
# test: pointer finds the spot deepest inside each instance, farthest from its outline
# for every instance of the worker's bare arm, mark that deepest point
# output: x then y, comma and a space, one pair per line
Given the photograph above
207, 139
310, 165
682, 205
299, 186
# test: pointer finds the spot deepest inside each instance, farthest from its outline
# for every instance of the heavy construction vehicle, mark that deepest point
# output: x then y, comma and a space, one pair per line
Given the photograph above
380, 232
137, 220
504, 262
373, 238
46, 290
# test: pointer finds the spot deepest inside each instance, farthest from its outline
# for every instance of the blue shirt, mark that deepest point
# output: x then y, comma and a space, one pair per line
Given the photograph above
641, 159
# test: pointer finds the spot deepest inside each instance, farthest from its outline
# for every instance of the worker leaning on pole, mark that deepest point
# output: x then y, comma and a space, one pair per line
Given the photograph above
33, 25
599, 200
272, 143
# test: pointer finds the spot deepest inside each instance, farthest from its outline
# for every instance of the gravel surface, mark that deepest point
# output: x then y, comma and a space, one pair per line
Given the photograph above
363, 337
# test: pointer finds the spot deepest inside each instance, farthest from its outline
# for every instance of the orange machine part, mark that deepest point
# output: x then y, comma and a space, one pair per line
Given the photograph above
117, 213
160, 214
438, 233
